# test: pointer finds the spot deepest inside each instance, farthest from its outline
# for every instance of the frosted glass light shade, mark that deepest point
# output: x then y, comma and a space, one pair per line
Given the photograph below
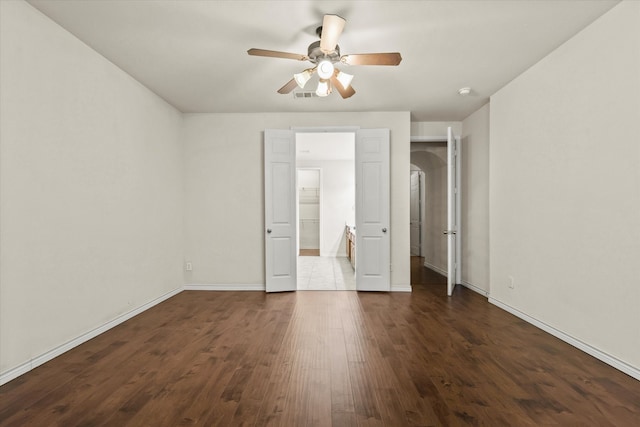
302, 78
323, 88
344, 79
325, 69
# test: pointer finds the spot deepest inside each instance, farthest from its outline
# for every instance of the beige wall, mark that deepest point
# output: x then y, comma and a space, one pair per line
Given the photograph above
565, 187
475, 200
437, 129
224, 191
90, 189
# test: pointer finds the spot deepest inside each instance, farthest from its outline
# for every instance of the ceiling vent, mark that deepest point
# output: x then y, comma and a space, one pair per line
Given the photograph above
305, 94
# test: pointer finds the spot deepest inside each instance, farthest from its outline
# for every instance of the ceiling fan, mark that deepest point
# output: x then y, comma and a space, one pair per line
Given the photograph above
324, 53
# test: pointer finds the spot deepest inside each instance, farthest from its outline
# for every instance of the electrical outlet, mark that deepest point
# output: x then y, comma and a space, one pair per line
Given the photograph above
510, 283
189, 266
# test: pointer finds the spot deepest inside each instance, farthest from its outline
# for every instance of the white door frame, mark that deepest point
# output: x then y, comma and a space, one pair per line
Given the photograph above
458, 248
330, 129
453, 230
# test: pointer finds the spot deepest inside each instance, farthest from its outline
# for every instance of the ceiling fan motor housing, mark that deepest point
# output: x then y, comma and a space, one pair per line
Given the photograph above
316, 54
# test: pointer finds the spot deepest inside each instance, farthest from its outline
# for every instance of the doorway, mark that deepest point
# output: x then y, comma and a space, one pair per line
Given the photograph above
416, 211
440, 160
430, 160
325, 164
372, 208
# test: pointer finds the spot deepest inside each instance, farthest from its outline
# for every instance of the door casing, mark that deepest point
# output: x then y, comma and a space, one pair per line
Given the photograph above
341, 129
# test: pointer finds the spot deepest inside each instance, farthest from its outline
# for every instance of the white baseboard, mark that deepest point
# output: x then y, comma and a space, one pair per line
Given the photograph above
598, 354
474, 288
259, 287
464, 283
13, 373
224, 287
436, 269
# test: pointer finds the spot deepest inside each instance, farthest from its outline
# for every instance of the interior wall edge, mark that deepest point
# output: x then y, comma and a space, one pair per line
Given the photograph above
43, 358
475, 288
612, 361
439, 270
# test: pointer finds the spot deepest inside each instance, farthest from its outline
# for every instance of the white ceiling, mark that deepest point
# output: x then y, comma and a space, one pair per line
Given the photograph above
193, 52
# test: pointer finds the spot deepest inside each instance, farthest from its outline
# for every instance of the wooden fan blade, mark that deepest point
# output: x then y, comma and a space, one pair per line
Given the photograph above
277, 54
393, 58
345, 93
332, 26
291, 85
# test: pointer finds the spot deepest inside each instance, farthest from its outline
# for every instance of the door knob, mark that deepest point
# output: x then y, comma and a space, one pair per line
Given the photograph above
268, 230
384, 230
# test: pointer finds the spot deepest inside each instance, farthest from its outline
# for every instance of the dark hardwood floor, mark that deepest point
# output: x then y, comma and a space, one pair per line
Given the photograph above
324, 358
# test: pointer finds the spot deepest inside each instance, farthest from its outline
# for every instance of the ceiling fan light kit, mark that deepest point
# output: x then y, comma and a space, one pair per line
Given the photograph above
303, 77
325, 53
324, 88
344, 79
325, 69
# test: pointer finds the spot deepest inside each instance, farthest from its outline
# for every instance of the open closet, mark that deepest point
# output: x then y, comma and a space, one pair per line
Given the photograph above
309, 212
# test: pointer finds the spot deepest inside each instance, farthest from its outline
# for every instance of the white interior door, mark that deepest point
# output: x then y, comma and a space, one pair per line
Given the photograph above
280, 210
415, 214
453, 212
373, 259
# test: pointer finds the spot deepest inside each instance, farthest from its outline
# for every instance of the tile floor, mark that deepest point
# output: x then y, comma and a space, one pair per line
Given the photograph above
317, 273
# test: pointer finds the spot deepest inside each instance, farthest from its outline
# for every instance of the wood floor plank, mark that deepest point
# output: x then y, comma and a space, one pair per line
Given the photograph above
341, 389
324, 358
